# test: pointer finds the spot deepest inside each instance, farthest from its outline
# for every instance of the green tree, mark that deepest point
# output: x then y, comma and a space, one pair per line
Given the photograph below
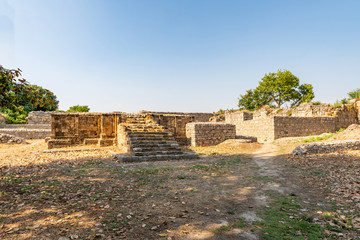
36, 98
355, 94
18, 97
78, 108
276, 89
11, 87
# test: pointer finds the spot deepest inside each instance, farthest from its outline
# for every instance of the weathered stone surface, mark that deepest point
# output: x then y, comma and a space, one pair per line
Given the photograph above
27, 133
326, 147
268, 124
6, 138
39, 117
107, 128
209, 133
198, 117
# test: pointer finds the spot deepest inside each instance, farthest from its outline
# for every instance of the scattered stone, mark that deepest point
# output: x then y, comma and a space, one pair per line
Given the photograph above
9, 139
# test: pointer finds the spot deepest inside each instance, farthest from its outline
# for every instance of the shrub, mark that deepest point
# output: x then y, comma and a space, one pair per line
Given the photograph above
78, 108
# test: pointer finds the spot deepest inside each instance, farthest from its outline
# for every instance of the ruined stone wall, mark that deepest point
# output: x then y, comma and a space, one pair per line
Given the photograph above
302, 126
175, 124
261, 128
198, 117
27, 133
209, 134
39, 117
83, 128
25, 126
102, 128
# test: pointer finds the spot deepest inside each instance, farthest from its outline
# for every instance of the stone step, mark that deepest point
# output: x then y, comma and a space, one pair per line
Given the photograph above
158, 152
152, 144
154, 149
91, 141
159, 157
171, 143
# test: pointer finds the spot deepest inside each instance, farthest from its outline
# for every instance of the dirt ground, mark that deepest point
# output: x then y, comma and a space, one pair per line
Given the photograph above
234, 191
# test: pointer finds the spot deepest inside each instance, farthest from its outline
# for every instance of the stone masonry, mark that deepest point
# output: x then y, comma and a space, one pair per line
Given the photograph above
69, 129
38, 128
209, 133
307, 119
145, 140
39, 117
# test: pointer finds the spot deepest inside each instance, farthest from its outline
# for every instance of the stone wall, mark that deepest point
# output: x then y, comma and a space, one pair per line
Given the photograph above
209, 134
261, 128
302, 126
27, 133
26, 126
39, 117
175, 124
326, 147
83, 128
198, 117
102, 128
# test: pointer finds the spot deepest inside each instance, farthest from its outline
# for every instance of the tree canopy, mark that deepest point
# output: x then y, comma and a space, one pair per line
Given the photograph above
78, 108
18, 97
277, 89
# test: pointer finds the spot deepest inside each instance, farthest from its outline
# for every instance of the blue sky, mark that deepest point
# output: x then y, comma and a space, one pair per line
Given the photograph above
169, 55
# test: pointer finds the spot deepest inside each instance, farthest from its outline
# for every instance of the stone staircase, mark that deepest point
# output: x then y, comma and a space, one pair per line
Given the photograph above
148, 141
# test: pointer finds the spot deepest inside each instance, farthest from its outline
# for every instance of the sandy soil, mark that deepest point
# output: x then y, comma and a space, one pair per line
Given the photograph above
89, 195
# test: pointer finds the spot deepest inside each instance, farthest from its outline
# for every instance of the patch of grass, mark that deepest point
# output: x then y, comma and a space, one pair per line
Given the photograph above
325, 137
240, 223
277, 223
264, 178
149, 171
333, 228
224, 228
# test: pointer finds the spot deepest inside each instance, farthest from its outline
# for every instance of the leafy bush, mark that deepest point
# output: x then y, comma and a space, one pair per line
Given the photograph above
18, 97
78, 108
355, 94
17, 116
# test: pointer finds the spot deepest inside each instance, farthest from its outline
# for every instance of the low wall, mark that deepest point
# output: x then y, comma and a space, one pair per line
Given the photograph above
39, 117
302, 126
26, 126
261, 128
209, 134
198, 117
326, 147
27, 133
102, 128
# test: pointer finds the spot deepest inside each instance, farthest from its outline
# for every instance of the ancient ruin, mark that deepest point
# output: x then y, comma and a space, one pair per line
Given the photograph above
38, 126
268, 124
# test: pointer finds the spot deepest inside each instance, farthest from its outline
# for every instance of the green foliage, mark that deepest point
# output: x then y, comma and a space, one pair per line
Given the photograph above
18, 97
277, 89
78, 108
316, 103
339, 103
11, 87
355, 94
325, 137
277, 223
36, 98
17, 116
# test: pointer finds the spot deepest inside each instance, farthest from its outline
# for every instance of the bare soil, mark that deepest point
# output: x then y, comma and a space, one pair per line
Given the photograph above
90, 195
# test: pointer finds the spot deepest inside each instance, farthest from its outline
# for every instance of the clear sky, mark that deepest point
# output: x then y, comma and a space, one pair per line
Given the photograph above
171, 55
